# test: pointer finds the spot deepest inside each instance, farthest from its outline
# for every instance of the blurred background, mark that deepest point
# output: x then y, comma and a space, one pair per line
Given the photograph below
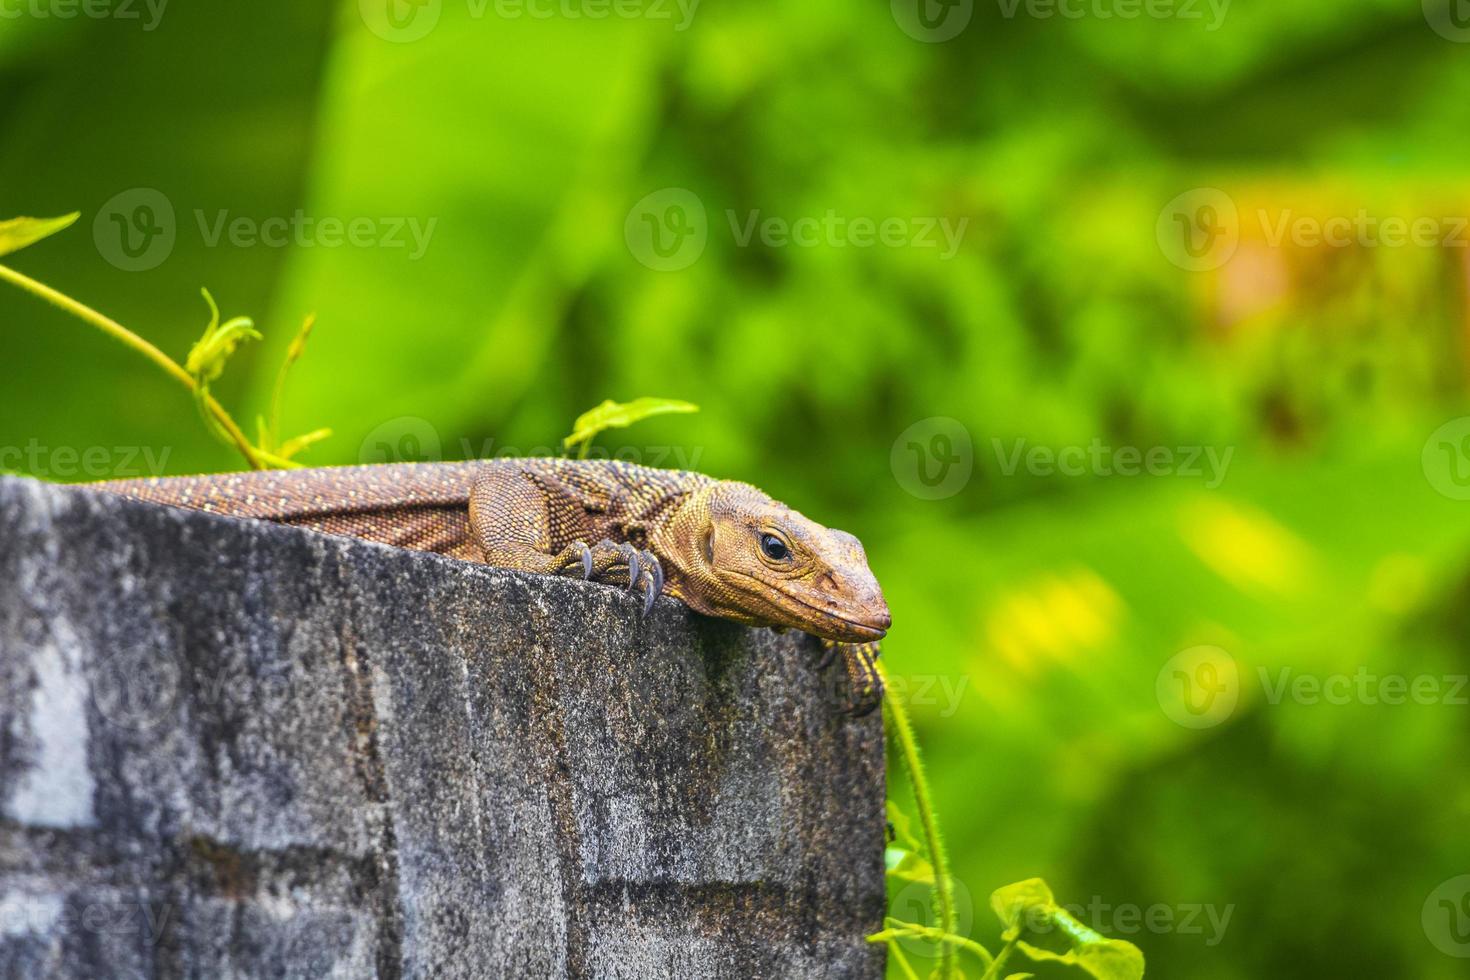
1130, 338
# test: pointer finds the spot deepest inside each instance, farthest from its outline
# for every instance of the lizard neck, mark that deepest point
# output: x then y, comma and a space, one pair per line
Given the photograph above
682, 542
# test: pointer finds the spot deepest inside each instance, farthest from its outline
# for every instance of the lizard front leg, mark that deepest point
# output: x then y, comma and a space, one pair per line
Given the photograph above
532, 523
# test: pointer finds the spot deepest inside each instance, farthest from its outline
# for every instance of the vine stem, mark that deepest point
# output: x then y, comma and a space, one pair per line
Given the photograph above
897, 929
895, 953
122, 334
1000, 961
903, 733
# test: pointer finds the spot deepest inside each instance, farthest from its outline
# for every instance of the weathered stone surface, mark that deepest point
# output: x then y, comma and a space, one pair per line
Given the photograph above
235, 749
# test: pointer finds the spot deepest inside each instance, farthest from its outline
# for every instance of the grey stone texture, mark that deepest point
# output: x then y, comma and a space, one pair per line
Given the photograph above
234, 749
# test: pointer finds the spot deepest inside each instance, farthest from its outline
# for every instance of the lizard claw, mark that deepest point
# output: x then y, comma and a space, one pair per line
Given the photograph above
658, 574
653, 579
604, 563
634, 569
649, 594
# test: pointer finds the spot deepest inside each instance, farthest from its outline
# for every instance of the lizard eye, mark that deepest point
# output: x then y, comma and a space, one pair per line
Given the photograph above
774, 548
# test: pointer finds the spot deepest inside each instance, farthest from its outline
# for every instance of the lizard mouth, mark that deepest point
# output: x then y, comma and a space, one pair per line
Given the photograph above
865, 630
862, 630
850, 629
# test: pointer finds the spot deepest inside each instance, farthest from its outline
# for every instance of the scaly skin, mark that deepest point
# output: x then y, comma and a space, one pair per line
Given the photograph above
722, 548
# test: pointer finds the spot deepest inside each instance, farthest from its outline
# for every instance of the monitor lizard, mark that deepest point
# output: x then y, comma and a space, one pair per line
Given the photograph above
721, 547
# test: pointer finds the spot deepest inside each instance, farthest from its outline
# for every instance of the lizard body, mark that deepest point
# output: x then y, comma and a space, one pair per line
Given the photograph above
721, 547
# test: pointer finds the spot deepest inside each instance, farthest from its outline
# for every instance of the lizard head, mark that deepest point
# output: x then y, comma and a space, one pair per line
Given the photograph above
757, 561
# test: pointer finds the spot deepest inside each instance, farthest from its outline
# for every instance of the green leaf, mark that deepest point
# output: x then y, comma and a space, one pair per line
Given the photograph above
1012, 902
206, 361
17, 233
620, 415
1028, 909
908, 866
291, 447
1109, 959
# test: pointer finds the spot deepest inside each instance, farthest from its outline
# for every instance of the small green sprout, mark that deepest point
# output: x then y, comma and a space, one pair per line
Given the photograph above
618, 415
